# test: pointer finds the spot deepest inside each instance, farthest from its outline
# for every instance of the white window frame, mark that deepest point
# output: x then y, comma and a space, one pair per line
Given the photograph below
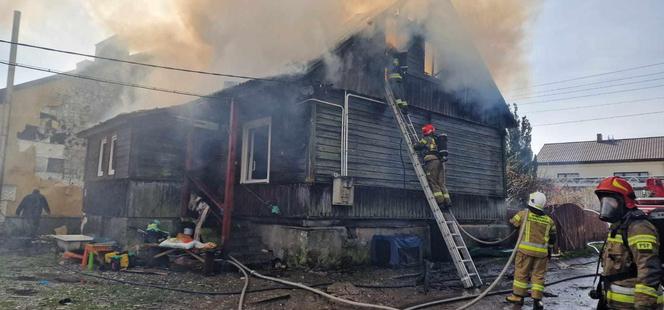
247, 150
100, 162
111, 154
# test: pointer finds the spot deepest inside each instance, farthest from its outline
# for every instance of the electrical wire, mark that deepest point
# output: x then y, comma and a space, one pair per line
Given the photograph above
586, 89
313, 290
595, 105
139, 63
599, 118
518, 96
596, 94
592, 95
594, 75
85, 77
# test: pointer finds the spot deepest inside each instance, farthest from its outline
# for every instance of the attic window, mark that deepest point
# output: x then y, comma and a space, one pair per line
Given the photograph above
100, 162
429, 59
111, 155
256, 140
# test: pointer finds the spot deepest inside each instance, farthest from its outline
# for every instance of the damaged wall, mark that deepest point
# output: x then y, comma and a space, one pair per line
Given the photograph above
43, 148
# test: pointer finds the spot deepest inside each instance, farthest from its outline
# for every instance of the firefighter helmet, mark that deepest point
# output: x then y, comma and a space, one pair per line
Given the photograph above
537, 200
428, 129
619, 186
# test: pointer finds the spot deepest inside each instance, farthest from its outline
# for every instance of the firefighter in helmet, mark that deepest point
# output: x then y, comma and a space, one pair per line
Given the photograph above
534, 251
630, 257
434, 149
396, 73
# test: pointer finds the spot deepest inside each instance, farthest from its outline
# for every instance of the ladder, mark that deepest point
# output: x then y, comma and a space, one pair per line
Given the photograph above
447, 224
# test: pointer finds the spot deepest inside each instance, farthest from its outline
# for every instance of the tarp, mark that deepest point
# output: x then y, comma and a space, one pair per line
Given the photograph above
395, 251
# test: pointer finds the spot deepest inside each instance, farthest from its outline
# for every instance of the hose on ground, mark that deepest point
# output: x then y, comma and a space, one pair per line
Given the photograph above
502, 273
313, 290
460, 298
244, 288
480, 240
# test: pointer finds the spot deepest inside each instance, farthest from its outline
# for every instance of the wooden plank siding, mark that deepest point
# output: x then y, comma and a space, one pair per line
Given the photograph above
120, 160
475, 165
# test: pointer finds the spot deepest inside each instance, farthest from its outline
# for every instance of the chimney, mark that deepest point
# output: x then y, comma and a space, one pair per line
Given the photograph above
599, 138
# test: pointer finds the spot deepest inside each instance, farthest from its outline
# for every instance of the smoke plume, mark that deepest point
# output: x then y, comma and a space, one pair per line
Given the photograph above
266, 37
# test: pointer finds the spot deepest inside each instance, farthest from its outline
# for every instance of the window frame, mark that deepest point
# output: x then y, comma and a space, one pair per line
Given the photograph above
429, 53
632, 174
566, 175
111, 155
247, 154
100, 161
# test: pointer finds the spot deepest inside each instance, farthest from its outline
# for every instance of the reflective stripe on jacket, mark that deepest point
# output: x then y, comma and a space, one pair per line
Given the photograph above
537, 233
641, 291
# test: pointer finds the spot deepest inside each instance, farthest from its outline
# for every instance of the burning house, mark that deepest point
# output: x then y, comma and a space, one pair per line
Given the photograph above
317, 164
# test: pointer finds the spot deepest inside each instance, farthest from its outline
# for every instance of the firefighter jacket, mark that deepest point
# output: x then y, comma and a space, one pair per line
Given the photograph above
397, 69
539, 234
631, 265
428, 145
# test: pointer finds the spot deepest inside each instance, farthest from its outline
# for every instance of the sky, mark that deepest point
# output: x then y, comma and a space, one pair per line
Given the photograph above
566, 39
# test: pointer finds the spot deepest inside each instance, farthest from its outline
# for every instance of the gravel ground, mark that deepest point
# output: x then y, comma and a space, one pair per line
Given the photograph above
38, 280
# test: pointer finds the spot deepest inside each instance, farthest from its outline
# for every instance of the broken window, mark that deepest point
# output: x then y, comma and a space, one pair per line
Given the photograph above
111, 155
100, 162
429, 59
256, 139
55, 165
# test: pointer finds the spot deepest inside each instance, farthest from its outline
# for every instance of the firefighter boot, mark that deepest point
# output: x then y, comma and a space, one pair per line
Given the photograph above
403, 105
518, 300
538, 304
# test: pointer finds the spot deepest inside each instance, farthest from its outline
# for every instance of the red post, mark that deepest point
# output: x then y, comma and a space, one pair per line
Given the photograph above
230, 175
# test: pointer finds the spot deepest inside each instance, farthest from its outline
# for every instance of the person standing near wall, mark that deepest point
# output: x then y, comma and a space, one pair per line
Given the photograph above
30, 209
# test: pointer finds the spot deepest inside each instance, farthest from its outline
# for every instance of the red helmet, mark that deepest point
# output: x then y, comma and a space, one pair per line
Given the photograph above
428, 129
617, 185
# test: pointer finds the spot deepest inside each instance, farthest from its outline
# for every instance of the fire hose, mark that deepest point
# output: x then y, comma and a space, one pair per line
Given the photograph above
313, 290
246, 284
480, 240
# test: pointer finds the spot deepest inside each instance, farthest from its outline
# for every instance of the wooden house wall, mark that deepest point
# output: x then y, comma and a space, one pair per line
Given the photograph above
120, 160
158, 149
475, 165
106, 197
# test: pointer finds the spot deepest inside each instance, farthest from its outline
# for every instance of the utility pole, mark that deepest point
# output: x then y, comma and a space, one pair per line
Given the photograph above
6, 104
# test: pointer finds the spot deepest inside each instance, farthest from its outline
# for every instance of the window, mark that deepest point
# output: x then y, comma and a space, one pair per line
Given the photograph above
100, 162
429, 59
256, 139
568, 175
55, 165
630, 174
111, 155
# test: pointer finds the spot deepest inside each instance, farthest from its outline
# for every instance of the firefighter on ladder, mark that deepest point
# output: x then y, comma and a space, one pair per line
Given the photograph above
434, 149
395, 76
534, 251
630, 256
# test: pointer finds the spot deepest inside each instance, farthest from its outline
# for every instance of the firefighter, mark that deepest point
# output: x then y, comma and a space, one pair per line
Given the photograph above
31, 208
534, 251
434, 149
395, 76
630, 257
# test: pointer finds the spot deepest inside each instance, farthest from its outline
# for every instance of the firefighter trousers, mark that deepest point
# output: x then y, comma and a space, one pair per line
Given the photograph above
436, 177
529, 271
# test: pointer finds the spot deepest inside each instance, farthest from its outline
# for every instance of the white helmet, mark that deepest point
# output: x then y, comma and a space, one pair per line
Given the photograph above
537, 200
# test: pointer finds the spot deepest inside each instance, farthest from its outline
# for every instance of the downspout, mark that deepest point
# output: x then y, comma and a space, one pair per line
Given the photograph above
346, 110
343, 129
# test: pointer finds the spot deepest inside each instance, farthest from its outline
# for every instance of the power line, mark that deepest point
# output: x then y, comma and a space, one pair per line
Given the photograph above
591, 88
595, 105
593, 75
599, 118
592, 95
85, 77
520, 96
141, 63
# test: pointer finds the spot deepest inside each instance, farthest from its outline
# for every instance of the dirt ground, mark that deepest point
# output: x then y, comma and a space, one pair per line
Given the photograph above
37, 279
